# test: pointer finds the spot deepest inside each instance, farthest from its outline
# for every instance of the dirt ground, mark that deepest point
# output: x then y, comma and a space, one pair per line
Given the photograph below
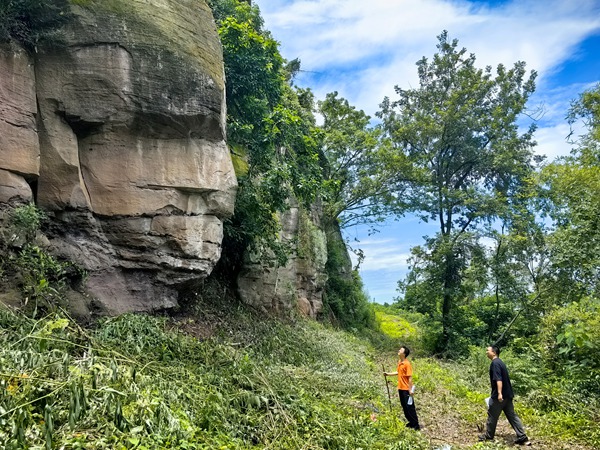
442, 424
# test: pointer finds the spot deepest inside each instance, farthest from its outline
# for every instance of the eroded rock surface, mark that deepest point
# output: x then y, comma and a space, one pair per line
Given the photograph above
118, 130
297, 285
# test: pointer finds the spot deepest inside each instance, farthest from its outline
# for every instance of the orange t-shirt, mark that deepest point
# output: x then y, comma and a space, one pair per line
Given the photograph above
404, 371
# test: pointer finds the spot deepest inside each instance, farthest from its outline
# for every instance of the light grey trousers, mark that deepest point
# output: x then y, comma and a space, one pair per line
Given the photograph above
494, 411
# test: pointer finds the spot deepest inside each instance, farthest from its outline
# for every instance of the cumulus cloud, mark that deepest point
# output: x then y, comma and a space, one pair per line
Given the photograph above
362, 49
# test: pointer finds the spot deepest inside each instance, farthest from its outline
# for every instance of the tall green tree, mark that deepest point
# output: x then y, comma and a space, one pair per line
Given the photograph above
459, 131
572, 186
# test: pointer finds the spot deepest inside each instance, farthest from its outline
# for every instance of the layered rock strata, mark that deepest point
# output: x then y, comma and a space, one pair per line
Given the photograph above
117, 129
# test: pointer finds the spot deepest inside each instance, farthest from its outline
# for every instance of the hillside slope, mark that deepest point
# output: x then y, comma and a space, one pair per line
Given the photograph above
231, 380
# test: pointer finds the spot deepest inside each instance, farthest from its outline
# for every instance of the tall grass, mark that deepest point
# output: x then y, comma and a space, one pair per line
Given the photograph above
140, 382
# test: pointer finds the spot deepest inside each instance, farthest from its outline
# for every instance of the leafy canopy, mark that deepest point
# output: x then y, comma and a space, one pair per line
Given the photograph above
458, 130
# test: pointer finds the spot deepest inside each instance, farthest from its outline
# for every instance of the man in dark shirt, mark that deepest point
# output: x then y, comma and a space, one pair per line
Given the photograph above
501, 399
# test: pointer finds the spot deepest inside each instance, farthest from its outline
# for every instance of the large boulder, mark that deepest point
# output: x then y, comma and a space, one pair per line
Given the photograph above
117, 128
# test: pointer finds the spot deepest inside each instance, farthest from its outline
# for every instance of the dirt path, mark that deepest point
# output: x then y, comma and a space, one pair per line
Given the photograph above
444, 422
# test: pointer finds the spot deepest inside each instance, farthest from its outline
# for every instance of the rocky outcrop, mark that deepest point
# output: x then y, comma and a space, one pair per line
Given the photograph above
19, 145
299, 284
117, 129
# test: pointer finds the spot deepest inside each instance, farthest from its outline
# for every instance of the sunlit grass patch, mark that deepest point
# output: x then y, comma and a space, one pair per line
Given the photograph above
395, 326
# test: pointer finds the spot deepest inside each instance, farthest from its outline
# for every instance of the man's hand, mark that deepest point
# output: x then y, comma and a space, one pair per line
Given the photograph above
500, 398
385, 374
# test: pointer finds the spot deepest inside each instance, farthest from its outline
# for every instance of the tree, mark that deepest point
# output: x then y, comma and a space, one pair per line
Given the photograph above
519, 269
572, 186
357, 185
459, 131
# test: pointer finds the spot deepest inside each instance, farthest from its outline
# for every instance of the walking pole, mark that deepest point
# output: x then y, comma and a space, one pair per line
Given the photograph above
387, 387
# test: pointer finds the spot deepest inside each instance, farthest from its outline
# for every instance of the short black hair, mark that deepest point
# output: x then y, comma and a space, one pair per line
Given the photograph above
496, 349
406, 350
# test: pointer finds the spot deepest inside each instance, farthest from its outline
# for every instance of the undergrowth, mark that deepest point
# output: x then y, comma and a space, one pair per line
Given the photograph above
141, 382
229, 379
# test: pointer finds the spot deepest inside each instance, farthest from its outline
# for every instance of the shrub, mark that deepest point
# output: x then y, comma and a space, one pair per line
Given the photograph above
571, 343
30, 21
41, 277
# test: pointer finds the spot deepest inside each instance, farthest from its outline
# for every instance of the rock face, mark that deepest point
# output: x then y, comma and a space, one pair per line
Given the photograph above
118, 130
300, 283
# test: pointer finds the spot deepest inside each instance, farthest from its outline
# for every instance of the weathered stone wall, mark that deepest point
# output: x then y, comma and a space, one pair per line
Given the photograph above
297, 285
118, 130
19, 145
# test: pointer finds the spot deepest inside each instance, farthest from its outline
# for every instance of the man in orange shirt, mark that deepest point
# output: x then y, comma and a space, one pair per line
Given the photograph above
406, 388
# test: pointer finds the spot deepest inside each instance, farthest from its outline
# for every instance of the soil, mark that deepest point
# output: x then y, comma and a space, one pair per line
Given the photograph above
442, 424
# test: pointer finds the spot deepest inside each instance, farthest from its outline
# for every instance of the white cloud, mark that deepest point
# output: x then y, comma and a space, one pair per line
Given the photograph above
362, 49
552, 141
383, 254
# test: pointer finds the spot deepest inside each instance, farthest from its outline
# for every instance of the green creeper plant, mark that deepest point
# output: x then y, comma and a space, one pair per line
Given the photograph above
30, 21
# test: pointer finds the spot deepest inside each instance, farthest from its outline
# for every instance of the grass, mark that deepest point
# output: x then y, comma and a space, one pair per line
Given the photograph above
144, 382
230, 380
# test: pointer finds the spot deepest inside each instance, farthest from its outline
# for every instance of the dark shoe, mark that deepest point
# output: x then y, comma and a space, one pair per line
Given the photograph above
523, 441
485, 438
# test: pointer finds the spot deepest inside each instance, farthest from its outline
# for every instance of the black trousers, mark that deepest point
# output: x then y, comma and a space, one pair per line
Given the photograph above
410, 412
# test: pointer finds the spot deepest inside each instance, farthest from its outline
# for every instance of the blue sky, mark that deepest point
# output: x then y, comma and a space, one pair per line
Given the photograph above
362, 49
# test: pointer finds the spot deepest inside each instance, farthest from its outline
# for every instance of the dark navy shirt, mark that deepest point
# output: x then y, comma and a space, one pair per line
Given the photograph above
499, 372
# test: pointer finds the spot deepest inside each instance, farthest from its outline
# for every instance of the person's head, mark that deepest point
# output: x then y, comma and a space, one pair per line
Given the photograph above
492, 351
403, 351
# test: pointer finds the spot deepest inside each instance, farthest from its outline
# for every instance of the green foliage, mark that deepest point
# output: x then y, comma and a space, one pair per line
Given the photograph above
137, 382
344, 298
30, 21
425, 288
394, 326
571, 341
357, 185
42, 277
458, 131
25, 221
269, 128
571, 188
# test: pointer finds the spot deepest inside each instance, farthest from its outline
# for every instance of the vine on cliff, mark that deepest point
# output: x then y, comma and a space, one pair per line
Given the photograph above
30, 21
271, 131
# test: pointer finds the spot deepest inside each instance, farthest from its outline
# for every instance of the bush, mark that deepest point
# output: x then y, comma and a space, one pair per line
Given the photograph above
41, 277
30, 21
570, 338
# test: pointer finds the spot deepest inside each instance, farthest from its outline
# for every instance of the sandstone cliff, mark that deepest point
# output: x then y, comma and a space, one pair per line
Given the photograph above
300, 283
117, 129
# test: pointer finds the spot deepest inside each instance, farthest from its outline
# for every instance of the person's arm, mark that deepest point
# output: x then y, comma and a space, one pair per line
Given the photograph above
499, 385
410, 385
390, 374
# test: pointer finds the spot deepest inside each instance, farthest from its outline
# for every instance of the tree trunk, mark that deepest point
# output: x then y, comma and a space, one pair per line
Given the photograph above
450, 284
